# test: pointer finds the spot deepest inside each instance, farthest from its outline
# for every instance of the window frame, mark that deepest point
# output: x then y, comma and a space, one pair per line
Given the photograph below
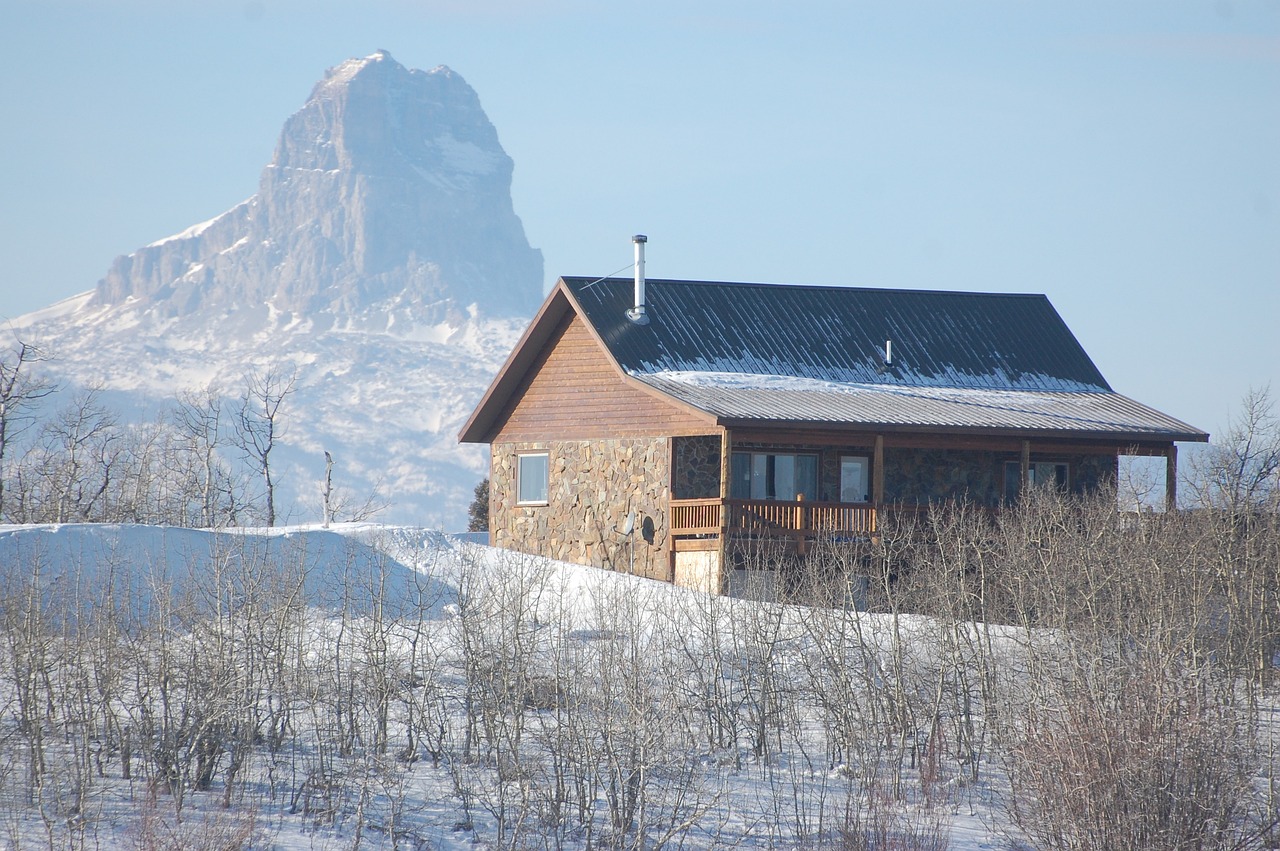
866, 479
752, 454
522, 473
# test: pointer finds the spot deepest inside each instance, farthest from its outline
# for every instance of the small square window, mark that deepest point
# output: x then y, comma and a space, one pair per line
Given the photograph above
531, 479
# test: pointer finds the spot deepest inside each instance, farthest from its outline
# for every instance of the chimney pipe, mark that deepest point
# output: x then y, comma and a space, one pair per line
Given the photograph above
637, 314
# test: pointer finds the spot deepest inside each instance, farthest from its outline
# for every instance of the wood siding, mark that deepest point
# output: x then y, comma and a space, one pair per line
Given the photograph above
573, 392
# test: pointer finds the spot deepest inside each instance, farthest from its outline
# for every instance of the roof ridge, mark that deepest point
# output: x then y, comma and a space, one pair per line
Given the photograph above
574, 279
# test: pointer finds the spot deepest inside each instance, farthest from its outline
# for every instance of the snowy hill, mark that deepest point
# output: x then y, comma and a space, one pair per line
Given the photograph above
380, 259
328, 631
389, 687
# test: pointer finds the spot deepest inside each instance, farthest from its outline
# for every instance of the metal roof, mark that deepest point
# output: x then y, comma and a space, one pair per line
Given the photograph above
940, 339
1098, 414
815, 355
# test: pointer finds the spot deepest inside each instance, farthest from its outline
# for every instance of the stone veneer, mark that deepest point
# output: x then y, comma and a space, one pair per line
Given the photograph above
593, 485
932, 475
697, 467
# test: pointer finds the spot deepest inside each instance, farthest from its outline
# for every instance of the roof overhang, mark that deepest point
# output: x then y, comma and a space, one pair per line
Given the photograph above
775, 402
480, 424
1107, 437
559, 303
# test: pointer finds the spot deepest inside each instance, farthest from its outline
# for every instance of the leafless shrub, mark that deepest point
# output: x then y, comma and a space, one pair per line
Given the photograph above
159, 830
1136, 755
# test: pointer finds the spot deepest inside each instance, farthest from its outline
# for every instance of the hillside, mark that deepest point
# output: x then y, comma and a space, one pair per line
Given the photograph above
388, 687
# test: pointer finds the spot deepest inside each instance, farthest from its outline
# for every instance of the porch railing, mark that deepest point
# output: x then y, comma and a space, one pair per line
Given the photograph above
696, 517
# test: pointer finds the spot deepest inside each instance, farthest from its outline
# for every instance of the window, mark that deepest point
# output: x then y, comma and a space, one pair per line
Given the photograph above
767, 475
1051, 473
853, 478
531, 479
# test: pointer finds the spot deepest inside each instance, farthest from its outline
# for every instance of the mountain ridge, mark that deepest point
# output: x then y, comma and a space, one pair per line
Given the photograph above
392, 281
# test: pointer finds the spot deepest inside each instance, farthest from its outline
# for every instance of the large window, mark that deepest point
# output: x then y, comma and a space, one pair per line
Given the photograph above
531, 479
770, 475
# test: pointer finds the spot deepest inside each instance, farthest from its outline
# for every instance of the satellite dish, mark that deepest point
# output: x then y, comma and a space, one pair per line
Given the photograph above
629, 525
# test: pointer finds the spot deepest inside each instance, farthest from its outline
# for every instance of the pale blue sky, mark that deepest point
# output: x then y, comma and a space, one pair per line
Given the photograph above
1121, 157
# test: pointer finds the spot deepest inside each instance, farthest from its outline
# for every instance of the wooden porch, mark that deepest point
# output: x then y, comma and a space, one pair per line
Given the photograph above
791, 519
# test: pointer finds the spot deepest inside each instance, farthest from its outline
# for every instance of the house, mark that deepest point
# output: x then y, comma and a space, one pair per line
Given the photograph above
646, 425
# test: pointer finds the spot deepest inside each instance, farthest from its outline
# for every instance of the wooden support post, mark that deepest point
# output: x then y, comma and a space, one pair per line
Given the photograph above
877, 472
877, 482
1026, 467
1171, 478
800, 524
726, 485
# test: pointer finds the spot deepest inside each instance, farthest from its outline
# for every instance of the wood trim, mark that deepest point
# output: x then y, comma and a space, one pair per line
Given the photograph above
1171, 479
1025, 465
572, 391
479, 426
910, 432
621, 373
1011, 444
726, 476
877, 472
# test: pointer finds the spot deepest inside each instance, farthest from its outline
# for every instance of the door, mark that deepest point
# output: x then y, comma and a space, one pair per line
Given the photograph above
853, 478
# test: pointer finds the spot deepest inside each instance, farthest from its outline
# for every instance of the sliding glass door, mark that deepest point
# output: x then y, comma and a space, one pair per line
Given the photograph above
774, 475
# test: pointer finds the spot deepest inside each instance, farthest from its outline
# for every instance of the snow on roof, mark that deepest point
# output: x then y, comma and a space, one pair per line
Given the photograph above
742, 396
940, 339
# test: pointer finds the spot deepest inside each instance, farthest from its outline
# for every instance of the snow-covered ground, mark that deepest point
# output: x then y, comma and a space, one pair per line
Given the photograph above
390, 687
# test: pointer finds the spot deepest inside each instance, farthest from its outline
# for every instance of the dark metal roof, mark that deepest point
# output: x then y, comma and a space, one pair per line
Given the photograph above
940, 339
815, 355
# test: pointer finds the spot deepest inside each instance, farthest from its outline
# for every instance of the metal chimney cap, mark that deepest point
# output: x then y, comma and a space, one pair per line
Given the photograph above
639, 238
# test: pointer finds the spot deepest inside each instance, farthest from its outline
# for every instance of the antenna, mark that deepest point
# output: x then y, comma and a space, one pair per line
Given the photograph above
629, 525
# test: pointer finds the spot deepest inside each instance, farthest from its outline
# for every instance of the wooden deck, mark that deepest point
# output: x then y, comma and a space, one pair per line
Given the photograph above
693, 518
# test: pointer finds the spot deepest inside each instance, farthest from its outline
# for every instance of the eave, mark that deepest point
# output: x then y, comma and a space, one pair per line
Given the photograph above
1109, 437
483, 422
479, 426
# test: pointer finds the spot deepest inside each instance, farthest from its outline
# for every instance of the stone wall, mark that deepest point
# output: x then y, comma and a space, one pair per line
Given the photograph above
931, 475
697, 467
934, 475
1091, 472
592, 486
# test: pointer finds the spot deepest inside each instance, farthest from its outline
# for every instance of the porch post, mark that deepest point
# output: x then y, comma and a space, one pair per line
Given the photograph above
1171, 478
877, 472
726, 473
1026, 466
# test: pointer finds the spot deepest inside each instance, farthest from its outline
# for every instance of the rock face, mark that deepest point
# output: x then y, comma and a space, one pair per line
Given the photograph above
380, 260
388, 196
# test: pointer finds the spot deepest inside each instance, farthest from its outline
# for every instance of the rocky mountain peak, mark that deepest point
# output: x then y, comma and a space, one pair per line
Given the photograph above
387, 204
380, 262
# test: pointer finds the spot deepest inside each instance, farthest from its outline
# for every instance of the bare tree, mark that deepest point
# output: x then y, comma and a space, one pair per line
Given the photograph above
259, 426
1240, 472
71, 470
198, 419
19, 390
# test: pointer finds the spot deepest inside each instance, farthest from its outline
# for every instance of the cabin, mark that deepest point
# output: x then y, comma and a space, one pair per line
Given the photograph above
648, 425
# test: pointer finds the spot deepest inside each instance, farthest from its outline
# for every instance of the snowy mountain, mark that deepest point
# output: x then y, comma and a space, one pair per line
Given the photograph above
381, 258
